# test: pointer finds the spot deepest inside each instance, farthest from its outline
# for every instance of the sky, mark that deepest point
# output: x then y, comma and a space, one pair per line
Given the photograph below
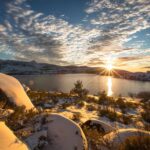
77, 32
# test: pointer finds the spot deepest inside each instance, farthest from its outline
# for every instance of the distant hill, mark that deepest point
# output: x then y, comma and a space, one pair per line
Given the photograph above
32, 67
26, 68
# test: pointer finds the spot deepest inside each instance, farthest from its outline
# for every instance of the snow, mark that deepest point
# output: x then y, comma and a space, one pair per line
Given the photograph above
33, 140
8, 141
119, 136
64, 134
83, 112
60, 134
57, 131
14, 91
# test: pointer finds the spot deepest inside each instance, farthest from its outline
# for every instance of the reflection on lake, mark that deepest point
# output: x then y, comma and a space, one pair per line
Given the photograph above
109, 87
94, 83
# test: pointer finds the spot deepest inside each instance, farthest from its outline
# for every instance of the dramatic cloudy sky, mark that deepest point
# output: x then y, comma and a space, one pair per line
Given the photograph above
77, 32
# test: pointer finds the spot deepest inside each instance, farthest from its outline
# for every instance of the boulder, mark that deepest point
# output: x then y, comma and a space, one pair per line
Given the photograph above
8, 141
99, 125
14, 91
61, 134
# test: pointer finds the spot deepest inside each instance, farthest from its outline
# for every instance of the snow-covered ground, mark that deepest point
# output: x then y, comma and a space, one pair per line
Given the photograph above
58, 123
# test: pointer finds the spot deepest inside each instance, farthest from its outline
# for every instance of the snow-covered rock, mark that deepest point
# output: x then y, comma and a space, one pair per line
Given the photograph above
64, 134
33, 141
101, 126
115, 139
58, 133
8, 141
14, 91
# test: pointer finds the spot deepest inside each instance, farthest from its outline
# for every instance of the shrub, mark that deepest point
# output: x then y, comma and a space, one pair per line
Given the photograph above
79, 90
132, 95
76, 117
19, 117
121, 103
109, 113
65, 105
126, 119
90, 99
91, 107
124, 105
80, 104
136, 143
15, 120
146, 115
147, 127
93, 137
105, 100
102, 98
131, 105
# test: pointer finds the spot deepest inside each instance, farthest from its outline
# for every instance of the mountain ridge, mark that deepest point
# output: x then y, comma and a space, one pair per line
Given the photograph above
14, 67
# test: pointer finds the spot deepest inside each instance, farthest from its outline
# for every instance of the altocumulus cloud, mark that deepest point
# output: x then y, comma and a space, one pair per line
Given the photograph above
27, 34
118, 20
31, 35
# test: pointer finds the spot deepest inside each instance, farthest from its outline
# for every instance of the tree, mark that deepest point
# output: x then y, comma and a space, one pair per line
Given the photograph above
79, 90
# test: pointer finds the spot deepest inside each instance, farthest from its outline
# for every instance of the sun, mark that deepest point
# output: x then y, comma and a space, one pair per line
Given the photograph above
109, 66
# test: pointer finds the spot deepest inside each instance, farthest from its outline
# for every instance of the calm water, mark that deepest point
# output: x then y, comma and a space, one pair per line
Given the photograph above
94, 83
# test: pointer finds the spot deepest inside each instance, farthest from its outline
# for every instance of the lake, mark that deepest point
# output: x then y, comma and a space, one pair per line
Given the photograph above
94, 83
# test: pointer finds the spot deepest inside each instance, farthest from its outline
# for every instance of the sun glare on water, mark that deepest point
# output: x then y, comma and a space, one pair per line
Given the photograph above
109, 85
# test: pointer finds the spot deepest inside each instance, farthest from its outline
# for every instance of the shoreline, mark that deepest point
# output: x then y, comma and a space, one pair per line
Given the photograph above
20, 74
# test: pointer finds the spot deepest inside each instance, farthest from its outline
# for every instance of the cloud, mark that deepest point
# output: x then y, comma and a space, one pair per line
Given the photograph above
128, 59
147, 67
27, 34
34, 33
118, 20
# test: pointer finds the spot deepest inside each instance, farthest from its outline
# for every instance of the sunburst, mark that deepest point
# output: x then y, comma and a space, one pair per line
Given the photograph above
109, 66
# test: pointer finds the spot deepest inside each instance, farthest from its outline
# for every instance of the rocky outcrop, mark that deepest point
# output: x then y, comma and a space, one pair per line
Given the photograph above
8, 141
14, 91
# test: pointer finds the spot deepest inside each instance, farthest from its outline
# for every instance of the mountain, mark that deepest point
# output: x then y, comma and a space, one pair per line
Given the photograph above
14, 67
19, 67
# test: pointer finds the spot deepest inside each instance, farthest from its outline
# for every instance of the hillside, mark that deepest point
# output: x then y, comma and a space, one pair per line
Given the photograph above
27, 68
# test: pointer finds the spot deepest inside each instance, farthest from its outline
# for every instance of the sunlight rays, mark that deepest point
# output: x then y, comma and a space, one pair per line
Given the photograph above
109, 66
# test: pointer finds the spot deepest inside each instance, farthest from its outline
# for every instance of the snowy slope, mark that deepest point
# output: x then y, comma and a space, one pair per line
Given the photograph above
8, 141
119, 136
14, 91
